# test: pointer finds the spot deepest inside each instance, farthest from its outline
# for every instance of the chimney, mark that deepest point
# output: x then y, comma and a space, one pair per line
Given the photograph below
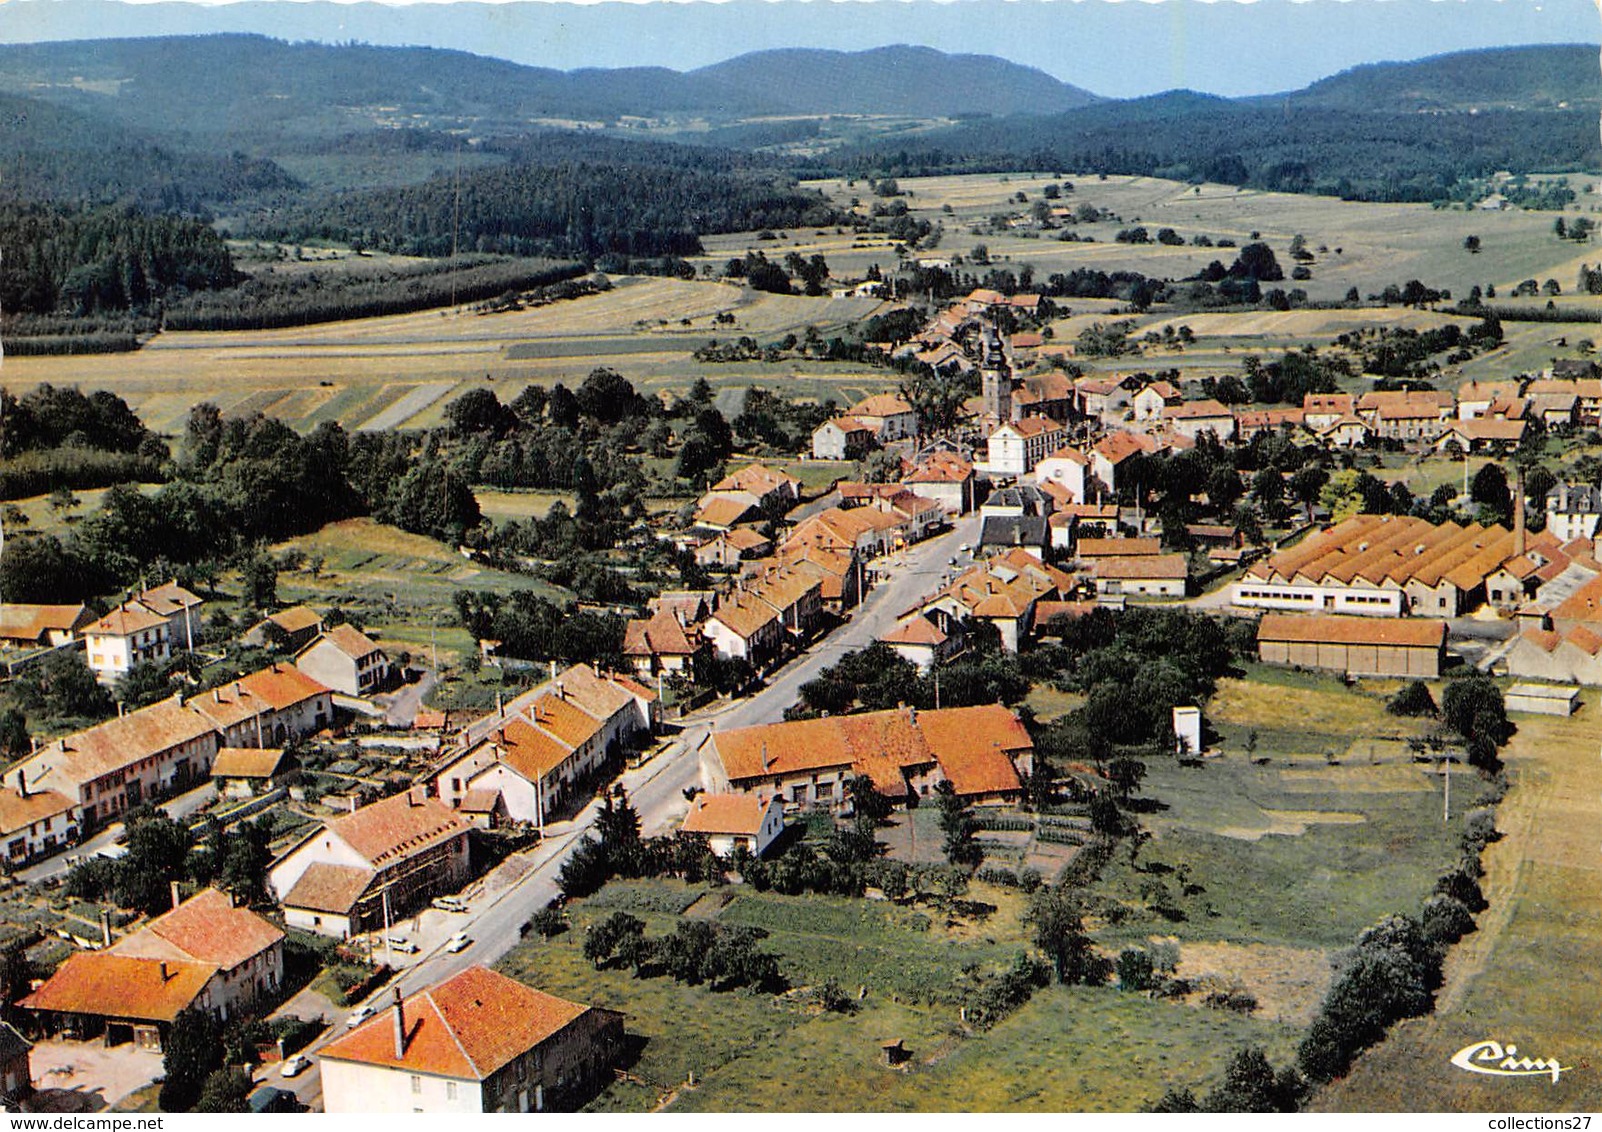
22, 781
1518, 515
239, 689
764, 756
352, 801
216, 695
400, 1027
175, 898
553, 668
163, 970
180, 697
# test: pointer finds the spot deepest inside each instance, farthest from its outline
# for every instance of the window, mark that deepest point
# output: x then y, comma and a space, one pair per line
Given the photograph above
450, 1090
417, 1084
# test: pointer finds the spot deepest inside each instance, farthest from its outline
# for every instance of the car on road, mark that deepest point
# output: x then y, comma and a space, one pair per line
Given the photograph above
964, 548
458, 942
402, 945
361, 1015
450, 903
272, 1099
294, 1065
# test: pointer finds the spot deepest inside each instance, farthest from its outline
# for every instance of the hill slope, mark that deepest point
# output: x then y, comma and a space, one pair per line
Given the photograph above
251, 90
914, 81
1512, 78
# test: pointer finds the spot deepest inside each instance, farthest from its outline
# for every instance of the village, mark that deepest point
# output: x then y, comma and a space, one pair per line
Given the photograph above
400, 850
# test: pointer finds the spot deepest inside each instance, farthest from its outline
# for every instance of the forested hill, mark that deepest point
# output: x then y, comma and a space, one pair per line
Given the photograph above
1510, 78
48, 152
262, 91
1291, 148
581, 208
914, 81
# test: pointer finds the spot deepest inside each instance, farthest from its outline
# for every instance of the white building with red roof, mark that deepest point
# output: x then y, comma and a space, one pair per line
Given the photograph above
345, 659
735, 821
130, 634
357, 872
477, 1042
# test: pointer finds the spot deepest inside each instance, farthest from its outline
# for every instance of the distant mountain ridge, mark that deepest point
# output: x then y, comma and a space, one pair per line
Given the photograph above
912, 81
1509, 78
260, 88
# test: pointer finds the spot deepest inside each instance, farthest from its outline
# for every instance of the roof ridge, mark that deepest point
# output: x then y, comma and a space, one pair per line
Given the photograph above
451, 1030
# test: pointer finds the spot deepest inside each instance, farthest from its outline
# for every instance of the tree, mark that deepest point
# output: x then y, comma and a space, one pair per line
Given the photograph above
1059, 933
1134, 969
226, 1090
247, 852
1413, 700
618, 823
16, 973
1471, 244
1342, 495
962, 845
191, 1052
585, 870
14, 742
868, 806
1472, 705
260, 575
478, 411
1251, 1085
607, 939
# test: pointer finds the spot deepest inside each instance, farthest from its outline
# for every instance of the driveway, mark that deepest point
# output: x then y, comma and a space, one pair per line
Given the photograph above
88, 1076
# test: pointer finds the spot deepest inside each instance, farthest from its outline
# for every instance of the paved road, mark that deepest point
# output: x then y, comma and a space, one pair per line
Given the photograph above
657, 787
178, 808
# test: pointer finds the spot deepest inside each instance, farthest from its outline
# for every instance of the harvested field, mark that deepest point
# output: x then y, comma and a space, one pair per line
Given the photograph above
1288, 982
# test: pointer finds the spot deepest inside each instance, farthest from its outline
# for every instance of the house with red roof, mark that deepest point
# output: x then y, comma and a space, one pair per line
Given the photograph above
370, 867
735, 821
129, 635
905, 752
205, 954
347, 660
477, 1042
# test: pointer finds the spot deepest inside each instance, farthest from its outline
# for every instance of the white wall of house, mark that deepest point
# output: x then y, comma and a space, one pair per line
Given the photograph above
47, 835
353, 1088
1062, 470
110, 656
326, 847
1317, 599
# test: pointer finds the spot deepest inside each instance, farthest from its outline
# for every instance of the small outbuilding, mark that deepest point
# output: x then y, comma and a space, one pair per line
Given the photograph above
1543, 699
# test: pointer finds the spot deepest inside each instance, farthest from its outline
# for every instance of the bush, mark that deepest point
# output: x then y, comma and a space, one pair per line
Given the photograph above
1238, 1001
1413, 700
1134, 969
1445, 919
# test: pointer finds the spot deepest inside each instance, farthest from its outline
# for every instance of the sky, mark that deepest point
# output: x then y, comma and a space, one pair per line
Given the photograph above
1115, 48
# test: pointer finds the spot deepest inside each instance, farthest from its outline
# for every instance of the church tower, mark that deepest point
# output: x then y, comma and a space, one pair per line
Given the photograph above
996, 376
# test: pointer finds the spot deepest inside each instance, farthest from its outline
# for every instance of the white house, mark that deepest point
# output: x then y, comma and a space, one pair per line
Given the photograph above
477, 1042
1193, 418
372, 866
843, 438
345, 659
1151, 402
130, 634
1016, 447
35, 823
730, 821
1573, 510
1066, 466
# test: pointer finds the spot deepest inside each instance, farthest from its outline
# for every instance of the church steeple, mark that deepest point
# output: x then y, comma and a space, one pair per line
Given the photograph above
996, 376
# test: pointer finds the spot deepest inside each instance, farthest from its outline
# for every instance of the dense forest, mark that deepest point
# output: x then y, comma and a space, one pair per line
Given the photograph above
1190, 137
91, 261
54, 153
580, 209
300, 298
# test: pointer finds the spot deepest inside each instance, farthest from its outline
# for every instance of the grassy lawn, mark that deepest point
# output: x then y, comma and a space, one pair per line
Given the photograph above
1070, 1049
1514, 980
1296, 856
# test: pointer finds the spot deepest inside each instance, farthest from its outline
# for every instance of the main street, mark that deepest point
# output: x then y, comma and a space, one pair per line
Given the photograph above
657, 787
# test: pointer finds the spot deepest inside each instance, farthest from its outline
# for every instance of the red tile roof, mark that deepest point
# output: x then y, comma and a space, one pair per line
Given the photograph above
467, 1027
397, 826
246, 762
328, 888
31, 622
726, 813
1296, 628
104, 984
205, 929
18, 812
127, 619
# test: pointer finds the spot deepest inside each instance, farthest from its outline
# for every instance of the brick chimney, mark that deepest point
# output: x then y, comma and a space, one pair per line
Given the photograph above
176, 899
400, 1026
1518, 514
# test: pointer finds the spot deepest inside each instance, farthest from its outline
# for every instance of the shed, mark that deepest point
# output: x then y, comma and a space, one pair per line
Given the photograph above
1543, 699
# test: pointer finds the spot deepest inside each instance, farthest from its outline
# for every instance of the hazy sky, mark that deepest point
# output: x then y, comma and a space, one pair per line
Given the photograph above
1118, 48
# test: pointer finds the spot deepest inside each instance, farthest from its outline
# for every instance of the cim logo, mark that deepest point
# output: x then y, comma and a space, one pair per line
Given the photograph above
1495, 1060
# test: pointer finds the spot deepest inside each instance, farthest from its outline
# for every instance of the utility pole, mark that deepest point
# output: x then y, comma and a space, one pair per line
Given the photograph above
1446, 805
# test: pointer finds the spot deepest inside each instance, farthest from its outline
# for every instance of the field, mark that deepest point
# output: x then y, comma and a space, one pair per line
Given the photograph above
401, 371
1518, 980
1069, 1049
399, 585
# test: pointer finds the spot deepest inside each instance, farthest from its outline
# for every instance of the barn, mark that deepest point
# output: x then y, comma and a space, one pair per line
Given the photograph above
1354, 646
